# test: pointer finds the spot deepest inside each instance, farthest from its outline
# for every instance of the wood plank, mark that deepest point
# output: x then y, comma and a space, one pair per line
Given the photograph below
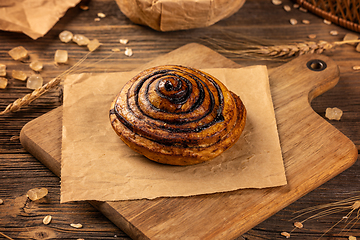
313, 151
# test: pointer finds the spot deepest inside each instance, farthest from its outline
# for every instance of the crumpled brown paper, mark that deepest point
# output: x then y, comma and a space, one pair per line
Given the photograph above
170, 15
97, 165
32, 17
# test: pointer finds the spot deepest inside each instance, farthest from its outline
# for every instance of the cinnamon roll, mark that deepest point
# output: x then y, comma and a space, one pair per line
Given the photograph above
177, 115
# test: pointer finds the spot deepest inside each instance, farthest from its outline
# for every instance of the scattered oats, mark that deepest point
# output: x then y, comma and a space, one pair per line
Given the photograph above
312, 36
34, 82
285, 234
128, 52
36, 193
351, 37
276, 2
293, 21
19, 75
2, 70
93, 45
76, 225
101, 15
61, 56
352, 238
356, 68
334, 33
1, 201
305, 21
302, 9
327, 22
14, 138
296, 5
18, 53
124, 41
47, 220
81, 40
84, 7
97, 19
65, 36
333, 113
287, 8
115, 49
298, 224
3, 82
356, 205
36, 66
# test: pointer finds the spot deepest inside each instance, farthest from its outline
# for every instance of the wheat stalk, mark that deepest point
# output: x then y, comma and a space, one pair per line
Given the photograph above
28, 98
291, 49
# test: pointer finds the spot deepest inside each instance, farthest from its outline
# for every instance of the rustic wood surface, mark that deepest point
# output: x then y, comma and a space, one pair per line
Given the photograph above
258, 19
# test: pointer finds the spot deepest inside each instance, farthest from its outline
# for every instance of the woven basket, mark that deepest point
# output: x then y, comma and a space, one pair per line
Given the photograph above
345, 13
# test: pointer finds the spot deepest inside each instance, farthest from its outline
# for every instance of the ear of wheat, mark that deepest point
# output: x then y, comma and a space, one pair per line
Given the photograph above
289, 50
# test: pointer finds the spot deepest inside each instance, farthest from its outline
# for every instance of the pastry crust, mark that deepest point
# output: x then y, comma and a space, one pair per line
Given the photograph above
177, 115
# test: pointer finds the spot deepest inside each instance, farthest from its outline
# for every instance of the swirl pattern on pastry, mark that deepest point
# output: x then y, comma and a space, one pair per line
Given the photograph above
177, 115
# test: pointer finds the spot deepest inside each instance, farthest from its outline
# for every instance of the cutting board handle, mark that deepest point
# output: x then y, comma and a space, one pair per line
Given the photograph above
309, 75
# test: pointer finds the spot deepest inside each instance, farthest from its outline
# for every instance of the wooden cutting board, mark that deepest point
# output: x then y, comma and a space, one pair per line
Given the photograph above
313, 151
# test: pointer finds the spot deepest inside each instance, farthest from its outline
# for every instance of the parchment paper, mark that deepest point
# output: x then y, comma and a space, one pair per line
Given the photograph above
170, 15
97, 165
32, 17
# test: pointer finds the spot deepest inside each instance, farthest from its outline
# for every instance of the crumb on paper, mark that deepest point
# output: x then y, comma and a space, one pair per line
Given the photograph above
333, 113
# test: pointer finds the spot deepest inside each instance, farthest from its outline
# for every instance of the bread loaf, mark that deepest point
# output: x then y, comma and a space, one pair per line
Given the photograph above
177, 115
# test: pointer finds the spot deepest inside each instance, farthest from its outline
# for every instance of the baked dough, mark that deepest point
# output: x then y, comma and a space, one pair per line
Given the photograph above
177, 115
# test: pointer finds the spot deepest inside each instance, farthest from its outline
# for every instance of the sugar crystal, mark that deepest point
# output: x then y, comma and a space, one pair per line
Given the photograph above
61, 56
36, 66
18, 53
93, 45
2, 70
81, 40
34, 82
3, 82
65, 36
333, 113
19, 75
36, 193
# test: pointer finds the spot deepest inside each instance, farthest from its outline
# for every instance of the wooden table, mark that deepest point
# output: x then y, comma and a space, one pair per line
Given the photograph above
258, 20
